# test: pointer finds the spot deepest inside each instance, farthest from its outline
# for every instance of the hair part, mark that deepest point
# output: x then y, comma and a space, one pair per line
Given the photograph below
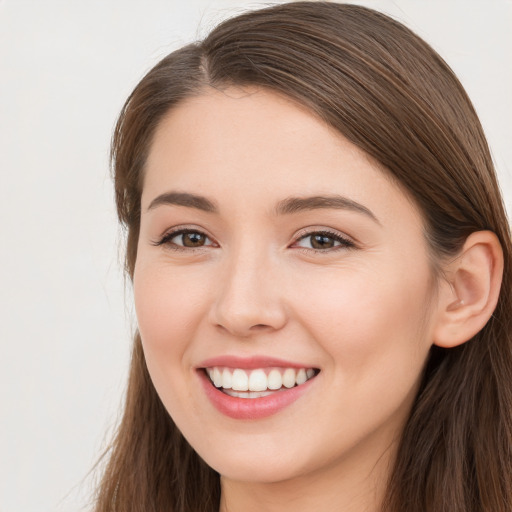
389, 93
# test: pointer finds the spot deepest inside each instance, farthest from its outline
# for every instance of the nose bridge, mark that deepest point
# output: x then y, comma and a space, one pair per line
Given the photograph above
248, 298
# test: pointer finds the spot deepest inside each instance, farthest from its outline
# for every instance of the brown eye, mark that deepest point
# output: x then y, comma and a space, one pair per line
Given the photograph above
322, 242
185, 238
193, 239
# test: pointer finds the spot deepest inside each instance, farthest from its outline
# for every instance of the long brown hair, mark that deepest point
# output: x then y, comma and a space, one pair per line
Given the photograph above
388, 92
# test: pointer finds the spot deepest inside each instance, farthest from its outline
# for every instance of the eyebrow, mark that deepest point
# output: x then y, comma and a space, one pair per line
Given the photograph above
287, 206
184, 199
299, 204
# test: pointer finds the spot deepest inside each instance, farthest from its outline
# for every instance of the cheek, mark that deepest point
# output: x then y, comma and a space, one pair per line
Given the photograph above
373, 334
373, 325
169, 308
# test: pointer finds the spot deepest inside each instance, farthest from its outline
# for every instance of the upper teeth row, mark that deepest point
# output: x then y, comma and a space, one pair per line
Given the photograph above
258, 380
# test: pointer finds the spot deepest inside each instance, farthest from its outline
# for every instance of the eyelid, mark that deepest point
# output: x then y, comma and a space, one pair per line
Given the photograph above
165, 238
346, 242
311, 230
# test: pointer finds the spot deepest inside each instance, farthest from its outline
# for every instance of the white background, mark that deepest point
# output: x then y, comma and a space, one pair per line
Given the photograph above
66, 68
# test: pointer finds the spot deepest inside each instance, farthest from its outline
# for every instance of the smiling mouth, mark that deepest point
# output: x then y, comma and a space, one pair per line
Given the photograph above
259, 382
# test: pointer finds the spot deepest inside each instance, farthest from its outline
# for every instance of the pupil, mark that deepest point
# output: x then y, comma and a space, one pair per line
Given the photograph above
322, 242
193, 240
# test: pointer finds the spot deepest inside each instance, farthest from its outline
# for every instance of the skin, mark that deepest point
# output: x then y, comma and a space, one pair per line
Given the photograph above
362, 313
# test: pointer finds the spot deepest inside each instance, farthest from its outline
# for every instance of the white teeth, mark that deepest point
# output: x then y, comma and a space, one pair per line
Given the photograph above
256, 383
275, 381
301, 377
240, 381
247, 394
289, 378
227, 379
217, 378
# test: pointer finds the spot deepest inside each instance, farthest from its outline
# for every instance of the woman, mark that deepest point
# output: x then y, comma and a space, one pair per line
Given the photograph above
321, 266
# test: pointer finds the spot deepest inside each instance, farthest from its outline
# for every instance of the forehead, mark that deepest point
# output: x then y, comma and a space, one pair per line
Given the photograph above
255, 145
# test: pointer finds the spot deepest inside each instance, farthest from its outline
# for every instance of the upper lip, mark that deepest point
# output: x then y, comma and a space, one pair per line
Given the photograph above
250, 363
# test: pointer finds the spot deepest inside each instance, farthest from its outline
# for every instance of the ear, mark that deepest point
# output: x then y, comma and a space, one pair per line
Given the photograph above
470, 291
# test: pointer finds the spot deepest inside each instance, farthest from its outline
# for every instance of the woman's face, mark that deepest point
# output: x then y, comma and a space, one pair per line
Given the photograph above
273, 252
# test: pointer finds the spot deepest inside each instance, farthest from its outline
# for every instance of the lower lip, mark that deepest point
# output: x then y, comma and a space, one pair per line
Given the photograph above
251, 408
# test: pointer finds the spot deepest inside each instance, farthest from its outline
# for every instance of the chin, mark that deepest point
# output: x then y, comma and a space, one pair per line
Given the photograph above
253, 462
273, 471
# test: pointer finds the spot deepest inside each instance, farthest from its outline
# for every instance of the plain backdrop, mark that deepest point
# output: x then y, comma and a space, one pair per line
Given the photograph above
66, 68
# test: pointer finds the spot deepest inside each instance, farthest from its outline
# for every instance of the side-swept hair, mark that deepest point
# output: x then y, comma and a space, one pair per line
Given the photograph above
389, 93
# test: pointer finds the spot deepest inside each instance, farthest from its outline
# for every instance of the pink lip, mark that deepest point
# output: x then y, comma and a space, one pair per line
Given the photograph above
249, 363
251, 408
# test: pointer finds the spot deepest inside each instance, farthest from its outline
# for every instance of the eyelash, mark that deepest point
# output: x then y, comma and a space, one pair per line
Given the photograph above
344, 243
167, 237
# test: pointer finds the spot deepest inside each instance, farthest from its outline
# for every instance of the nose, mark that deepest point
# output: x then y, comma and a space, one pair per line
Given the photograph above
249, 298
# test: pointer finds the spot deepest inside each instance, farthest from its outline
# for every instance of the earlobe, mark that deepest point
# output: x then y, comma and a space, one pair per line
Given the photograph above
468, 296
